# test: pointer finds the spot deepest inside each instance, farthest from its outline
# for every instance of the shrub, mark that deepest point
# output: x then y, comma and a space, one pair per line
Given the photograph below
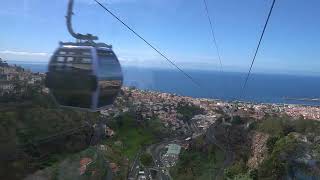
253, 174
188, 111
236, 169
274, 125
146, 159
271, 143
236, 120
276, 165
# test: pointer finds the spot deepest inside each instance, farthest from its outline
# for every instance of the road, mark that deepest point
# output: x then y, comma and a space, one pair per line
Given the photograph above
156, 151
135, 166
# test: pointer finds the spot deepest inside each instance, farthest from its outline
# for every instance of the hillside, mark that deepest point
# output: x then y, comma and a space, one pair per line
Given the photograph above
34, 131
272, 148
226, 140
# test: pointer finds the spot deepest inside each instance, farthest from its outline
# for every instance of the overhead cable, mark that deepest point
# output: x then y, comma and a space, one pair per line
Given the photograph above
257, 49
149, 44
213, 34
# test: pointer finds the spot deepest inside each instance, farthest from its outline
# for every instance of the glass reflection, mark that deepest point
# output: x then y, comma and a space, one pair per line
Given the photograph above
70, 77
110, 77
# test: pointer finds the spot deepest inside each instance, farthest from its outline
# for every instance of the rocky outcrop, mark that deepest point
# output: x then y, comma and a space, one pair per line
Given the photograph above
258, 149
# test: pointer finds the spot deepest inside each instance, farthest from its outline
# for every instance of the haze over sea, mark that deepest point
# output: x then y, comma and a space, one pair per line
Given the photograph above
262, 88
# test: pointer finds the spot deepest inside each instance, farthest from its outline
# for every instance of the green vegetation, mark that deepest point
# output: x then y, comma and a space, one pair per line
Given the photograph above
200, 161
276, 165
132, 135
281, 126
271, 143
236, 170
273, 125
236, 120
188, 111
253, 174
305, 126
34, 123
316, 149
283, 147
146, 159
33, 115
243, 177
69, 168
27, 116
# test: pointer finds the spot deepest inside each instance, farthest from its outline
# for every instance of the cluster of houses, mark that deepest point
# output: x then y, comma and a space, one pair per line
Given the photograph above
258, 111
11, 76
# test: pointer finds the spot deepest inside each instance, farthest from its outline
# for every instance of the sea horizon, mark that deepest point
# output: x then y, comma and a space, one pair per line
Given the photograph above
224, 86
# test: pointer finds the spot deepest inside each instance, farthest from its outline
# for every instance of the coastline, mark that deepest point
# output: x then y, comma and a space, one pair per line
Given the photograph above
222, 87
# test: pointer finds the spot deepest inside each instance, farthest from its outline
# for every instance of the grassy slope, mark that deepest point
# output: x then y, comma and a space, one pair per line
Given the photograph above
26, 121
131, 135
198, 163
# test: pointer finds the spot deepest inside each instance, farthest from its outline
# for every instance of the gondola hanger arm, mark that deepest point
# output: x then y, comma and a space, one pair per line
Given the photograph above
87, 37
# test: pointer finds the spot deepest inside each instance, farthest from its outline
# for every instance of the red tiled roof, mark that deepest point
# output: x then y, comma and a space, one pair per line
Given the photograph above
85, 161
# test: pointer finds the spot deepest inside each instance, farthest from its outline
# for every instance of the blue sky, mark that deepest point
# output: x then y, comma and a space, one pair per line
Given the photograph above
31, 29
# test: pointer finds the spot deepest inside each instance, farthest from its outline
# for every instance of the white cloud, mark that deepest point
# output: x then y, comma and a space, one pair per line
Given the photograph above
146, 59
24, 53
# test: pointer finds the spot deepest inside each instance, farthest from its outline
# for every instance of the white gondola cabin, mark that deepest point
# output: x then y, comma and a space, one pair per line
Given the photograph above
84, 75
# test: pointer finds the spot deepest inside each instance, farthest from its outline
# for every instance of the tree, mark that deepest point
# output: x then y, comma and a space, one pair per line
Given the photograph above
236, 169
253, 174
275, 166
146, 159
271, 143
236, 120
188, 111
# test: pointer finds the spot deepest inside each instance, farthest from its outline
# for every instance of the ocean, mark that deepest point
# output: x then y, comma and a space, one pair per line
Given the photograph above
227, 86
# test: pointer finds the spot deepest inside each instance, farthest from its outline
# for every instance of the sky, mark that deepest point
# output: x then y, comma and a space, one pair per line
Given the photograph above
31, 29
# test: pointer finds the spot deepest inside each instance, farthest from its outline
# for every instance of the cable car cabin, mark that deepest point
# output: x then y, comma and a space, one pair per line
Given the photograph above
84, 75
